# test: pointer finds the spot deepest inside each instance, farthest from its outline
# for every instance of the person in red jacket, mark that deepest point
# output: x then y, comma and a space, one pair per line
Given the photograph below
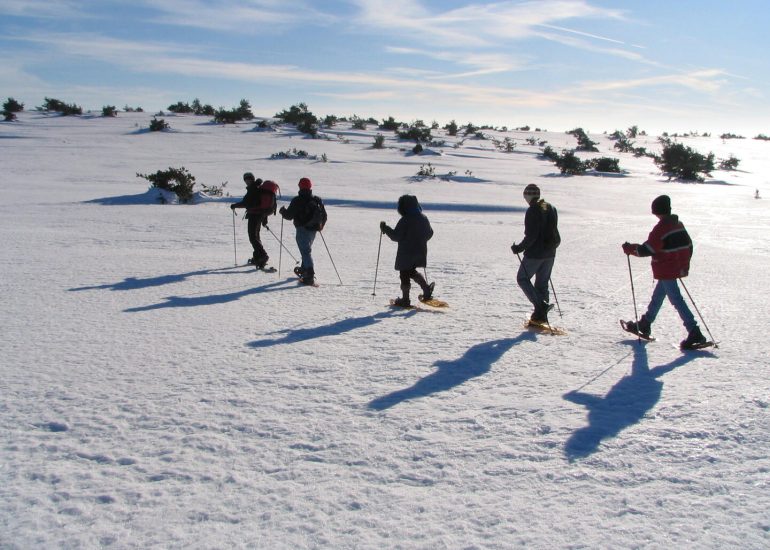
671, 248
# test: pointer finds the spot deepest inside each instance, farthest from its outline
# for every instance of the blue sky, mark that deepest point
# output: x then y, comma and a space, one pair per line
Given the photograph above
674, 65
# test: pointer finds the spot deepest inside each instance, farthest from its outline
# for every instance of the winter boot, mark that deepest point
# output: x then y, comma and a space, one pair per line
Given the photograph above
428, 294
643, 327
261, 262
308, 277
401, 302
298, 271
693, 340
540, 315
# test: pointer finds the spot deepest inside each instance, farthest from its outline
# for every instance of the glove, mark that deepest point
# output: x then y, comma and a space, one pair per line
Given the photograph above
232, 207
383, 227
629, 249
517, 248
282, 211
264, 223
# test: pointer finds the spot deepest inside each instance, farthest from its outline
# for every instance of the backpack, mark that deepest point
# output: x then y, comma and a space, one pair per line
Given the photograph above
551, 237
315, 214
267, 200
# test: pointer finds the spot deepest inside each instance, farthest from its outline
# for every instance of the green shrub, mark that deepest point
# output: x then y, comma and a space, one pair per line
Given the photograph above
679, 161
12, 106
416, 133
330, 121
54, 105
605, 164
426, 171
762, 137
570, 164
729, 163
584, 142
358, 123
390, 124
731, 136
176, 180
109, 110
451, 128
550, 153
379, 141
417, 149
180, 108
8, 116
158, 125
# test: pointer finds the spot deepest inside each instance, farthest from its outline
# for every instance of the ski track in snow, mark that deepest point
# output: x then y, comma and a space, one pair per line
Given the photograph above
153, 395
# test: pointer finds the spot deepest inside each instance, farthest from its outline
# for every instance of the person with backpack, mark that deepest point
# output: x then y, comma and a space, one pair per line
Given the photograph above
412, 233
309, 216
541, 238
671, 248
259, 205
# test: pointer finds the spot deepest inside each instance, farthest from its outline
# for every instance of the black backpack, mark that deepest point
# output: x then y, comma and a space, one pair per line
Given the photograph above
315, 214
551, 237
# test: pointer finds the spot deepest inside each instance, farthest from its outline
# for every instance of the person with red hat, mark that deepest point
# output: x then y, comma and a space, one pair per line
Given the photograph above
309, 216
671, 248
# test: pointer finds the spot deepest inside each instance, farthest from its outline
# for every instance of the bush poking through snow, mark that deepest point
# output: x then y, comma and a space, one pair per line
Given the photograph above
416, 133
605, 164
390, 124
428, 171
109, 111
54, 105
379, 142
584, 142
293, 154
158, 125
682, 162
13, 106
729, 163
569, 163
177, 180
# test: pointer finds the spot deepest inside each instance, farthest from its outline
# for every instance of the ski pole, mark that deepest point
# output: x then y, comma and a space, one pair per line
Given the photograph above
330, 257
633, 296
699, 315
235, 247
553, 289
377, 267
283, 246
280, 249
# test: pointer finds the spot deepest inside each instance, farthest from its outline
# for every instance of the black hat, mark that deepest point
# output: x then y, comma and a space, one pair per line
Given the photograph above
661, 206
531, 193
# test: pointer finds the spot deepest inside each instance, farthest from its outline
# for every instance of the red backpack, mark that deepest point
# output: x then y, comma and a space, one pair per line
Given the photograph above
268, 202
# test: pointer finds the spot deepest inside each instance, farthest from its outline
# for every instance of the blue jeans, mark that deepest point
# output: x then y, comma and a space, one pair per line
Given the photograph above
305, 239
670, 288
541, 269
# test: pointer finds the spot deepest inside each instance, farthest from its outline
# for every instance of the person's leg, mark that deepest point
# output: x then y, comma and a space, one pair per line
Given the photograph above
671, 287
542, 278
417, 277
405, 276
305, 243
253, 229
260, 255
656, 301
527, 270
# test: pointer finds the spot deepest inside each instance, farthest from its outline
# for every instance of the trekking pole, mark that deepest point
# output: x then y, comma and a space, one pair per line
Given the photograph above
280, 249
553, 289
699, 315
633, 296
330, 257
377, 267
283, 246
235, 247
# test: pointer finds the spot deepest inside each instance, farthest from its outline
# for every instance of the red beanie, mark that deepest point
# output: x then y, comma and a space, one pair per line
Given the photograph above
305, 183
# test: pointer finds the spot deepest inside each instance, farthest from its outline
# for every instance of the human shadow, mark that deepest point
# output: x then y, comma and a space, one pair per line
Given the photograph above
478, 360
136, 283
197, 301
624, 405
292, 336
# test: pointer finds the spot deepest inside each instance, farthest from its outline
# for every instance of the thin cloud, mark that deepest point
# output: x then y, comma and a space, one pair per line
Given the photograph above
41, 8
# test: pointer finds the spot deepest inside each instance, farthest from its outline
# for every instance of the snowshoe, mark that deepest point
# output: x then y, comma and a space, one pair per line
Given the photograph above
638, 329
695, 340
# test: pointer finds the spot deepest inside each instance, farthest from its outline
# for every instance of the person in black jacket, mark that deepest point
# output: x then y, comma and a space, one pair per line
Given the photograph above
541, 237
256, 216
412, 233
301, 211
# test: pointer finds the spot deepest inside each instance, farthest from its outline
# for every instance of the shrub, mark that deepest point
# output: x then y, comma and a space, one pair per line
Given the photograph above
12, 106
176, 180
762, 137
358, 123
57, 106
223, 116
215, 190
133, 109
731, 136
180, 108
390, 124
550, 153
9, 116
158, 125
470, 129
584, 142
417, 149
426, 171
416, 133
293, 154
570, 164
244, 111
451, 128
330, 121
679, 161
624, 145
729, 163
632, 132
379, 141
605, 164
297, 114
109, 110
507, 145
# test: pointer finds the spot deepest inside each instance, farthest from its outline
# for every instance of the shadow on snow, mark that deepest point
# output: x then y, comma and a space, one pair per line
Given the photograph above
478, 360
427, 206
291, 336
136, 283
625, 404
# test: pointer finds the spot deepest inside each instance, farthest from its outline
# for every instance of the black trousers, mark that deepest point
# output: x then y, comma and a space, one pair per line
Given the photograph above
408, 275
254, 225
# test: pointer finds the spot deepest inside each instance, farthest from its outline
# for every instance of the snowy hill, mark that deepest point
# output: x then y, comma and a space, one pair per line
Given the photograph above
153, 395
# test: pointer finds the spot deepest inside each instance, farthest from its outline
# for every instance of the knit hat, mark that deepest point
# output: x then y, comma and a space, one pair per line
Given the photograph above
248, 176
661, 206
531, 193
305, 183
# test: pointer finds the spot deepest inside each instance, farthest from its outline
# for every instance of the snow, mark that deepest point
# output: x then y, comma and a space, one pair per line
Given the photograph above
155, 395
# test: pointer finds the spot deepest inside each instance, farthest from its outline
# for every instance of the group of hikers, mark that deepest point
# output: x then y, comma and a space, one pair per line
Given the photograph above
668, 244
